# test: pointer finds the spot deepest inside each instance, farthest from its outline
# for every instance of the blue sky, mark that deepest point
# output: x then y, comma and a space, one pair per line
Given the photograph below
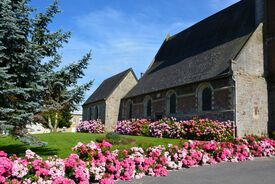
123, 33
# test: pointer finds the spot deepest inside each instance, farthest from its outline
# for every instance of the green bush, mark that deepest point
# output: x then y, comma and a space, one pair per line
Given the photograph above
145, 130
113, 136
116, 139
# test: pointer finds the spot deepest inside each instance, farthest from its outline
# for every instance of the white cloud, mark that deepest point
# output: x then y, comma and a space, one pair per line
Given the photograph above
118, 42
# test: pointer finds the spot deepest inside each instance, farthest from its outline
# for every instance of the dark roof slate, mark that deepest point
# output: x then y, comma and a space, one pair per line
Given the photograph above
200, 52
107, 87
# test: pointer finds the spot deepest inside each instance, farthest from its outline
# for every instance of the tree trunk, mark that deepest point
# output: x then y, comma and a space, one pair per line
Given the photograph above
50, 124
55, 122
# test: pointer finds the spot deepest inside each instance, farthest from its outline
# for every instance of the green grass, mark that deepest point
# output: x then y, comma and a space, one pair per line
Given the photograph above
60, 144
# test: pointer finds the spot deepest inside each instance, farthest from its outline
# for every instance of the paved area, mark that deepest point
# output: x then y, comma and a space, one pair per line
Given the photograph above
258, 171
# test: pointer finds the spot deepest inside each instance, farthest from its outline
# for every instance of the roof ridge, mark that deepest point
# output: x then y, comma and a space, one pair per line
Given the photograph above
103, 83
207, 18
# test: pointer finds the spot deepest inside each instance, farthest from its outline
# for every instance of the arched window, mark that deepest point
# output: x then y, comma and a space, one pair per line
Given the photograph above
129, 109
96, 112
207, 99
204, 94
147, 106
172, 104
90, 113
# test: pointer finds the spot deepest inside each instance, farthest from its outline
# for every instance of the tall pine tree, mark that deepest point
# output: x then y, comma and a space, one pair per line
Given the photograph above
25, 42
22, 62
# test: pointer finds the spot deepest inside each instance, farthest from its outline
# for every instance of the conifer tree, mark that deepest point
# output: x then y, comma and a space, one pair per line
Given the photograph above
26, 80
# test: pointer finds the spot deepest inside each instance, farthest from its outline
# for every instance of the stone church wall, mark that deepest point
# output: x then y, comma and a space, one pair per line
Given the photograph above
113, 101
89, 111
187, 102
251, 87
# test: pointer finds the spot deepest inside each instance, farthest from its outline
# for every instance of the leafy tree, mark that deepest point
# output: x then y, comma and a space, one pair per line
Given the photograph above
32, 86
64, 118
62, 92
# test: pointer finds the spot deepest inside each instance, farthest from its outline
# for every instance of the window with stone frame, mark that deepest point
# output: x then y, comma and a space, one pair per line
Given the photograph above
204, 93
90, 113
147, 106
172, 103
96, 112
207, 99
129, 109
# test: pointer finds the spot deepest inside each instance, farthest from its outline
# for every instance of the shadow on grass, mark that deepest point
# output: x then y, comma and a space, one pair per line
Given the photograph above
19, 150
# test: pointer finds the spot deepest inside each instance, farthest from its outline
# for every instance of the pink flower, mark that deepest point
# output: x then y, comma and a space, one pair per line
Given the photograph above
3, 154
105, 144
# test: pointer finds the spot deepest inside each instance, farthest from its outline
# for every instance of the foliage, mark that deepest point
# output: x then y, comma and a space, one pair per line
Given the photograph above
63, 94
199, 129
64, 118
21, 60
113, 136
94, 162
134, 127
92, 126
116, 139
29, 85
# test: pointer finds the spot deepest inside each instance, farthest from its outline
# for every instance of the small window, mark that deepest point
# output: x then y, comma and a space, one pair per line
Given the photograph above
172, 104
90, 113
149, 107
96, 112
207, 99
130, 109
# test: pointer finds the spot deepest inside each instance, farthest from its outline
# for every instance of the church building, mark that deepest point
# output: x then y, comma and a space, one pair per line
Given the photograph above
221, 68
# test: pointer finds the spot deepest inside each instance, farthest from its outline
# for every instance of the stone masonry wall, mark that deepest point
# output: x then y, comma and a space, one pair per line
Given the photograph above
113, 101
187, 102
251, 87
89, 111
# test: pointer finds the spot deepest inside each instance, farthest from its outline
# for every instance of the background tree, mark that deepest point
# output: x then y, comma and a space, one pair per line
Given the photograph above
64, 119
26, 43
63, 93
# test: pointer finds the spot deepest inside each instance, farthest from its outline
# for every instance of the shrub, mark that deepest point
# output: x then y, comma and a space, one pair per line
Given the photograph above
134, 127
92, 126
116, 139
96, 163
199, 129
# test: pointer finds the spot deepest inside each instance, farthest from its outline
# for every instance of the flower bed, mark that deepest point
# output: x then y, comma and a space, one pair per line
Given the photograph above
196, 129
92, 126
96, 163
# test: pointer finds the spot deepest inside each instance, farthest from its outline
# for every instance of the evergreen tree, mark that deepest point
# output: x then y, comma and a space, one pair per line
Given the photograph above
5, 112
21, 61
26, 80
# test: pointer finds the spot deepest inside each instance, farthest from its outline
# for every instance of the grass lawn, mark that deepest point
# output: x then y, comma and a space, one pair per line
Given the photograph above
60, 144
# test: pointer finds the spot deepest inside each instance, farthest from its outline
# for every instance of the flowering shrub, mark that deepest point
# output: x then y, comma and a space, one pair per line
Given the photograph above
135, 127
92, 126
95, 162
199, 129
